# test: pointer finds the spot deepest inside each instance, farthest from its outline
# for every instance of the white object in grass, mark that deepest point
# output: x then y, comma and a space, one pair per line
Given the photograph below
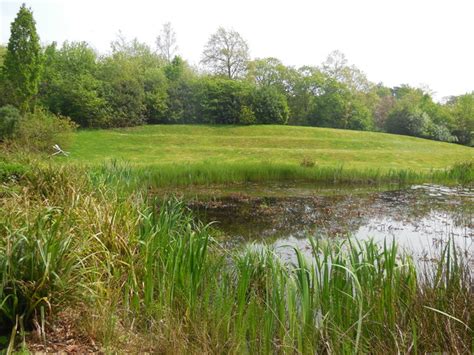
59, 151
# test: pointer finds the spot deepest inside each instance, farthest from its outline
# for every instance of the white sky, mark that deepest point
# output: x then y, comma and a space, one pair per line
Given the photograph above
418, 42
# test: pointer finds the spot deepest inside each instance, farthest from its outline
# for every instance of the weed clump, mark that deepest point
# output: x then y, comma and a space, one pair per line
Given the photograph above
307, 163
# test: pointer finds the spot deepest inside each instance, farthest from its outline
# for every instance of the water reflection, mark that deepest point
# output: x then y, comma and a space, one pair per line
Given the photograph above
421, 218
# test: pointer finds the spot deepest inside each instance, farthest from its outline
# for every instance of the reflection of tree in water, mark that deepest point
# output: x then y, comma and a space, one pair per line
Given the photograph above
410, 206
256, 218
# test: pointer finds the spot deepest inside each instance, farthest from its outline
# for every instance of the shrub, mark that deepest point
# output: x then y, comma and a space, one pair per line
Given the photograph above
270, 106
439, 132
247, 116
222, 100
407, 121
40, 130
416, 122
9, 117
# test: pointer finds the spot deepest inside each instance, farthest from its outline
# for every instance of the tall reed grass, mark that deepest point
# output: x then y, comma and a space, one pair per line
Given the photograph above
115, 171
143, 276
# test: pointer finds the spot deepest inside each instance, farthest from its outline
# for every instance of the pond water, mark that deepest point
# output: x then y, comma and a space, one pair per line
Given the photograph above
421, 218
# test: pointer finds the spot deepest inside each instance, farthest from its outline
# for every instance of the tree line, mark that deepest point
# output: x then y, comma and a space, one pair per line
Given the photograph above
136, 84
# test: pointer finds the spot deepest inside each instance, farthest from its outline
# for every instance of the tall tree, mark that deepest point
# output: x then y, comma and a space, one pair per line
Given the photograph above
166, 42
69, 85
22, 65
268, 72
337, 67
226, 53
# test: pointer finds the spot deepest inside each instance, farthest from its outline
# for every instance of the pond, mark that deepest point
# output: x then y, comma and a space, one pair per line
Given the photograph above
421, 218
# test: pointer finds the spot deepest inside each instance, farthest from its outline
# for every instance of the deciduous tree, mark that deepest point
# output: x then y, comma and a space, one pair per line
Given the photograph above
166, 42
337, 67
70, 85
226, 53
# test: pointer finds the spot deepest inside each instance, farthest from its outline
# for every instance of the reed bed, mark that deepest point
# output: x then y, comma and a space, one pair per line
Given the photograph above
117, 171
139, 275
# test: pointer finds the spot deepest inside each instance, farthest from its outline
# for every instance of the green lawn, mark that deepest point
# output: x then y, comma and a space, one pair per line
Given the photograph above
182, 144
162, 155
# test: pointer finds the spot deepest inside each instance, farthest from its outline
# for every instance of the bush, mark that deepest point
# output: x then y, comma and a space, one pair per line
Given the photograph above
408, 121
9, 117
439, 132
247, 116
41, 130
222, 100
415, 122
270, 106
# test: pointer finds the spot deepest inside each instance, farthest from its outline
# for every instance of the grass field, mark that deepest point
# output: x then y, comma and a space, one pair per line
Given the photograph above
179, 144
165, 154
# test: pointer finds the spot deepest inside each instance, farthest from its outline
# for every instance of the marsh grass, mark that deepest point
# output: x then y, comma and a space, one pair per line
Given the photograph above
145, 276
126, 175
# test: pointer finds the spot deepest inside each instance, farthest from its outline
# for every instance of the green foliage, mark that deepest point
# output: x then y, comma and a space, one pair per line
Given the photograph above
70, 86
156, 95
9, 117
222, 100
438, 132
176, 69
270, 106
132, 84
3, 52
337, 68
269, 72
182, 105
382, 108
247, 116
413, 121
462, 110
123, 91
23, 62
305, 85
408, 121
338, 107
40, 130
226, 54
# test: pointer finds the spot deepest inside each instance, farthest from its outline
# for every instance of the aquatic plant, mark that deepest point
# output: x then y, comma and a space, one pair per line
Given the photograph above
149, 277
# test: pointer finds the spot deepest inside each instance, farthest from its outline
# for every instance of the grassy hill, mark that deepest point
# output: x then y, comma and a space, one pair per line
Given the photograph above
175, 150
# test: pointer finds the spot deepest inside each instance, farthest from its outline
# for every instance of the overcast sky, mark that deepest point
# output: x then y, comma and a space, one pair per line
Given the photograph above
418, 42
